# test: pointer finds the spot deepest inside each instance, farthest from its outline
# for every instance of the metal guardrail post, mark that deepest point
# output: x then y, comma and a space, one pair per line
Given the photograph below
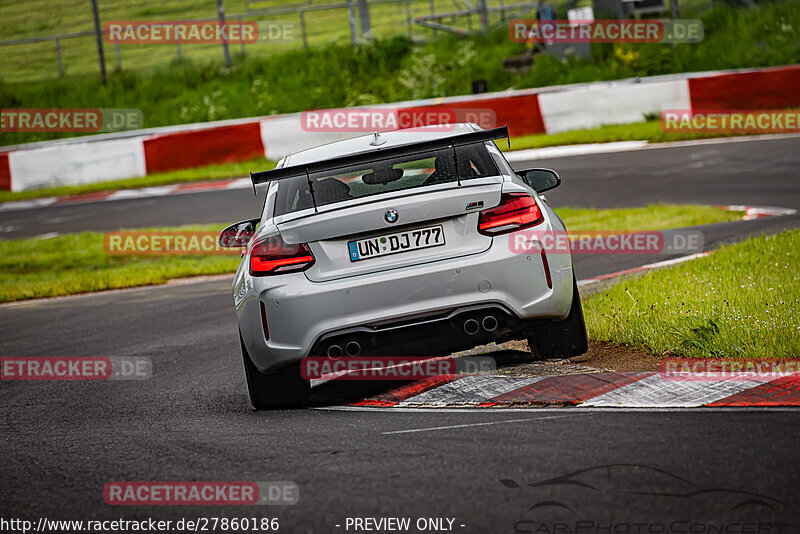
178, 46
99, 35
303, 29
484, 16
221, 16
58, 58
675, 9
363, 19
408, 19
351, 15
432, 5
241, 34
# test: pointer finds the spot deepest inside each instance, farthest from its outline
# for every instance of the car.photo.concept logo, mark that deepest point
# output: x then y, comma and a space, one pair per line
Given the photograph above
640, 499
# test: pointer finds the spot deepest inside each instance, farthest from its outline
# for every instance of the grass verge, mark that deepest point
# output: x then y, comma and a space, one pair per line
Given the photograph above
741, 302
638, 131
650, 217
78, 263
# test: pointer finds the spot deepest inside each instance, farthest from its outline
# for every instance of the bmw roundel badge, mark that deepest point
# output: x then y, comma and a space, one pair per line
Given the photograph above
391, 216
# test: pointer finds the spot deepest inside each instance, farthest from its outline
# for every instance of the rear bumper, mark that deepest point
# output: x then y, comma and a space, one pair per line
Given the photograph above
432, 335
425, 301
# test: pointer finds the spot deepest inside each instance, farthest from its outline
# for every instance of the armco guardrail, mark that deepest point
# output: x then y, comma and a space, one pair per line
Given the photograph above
544, 110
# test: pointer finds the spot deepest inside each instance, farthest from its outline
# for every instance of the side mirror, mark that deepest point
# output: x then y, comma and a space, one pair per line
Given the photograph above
239, 234
540, 180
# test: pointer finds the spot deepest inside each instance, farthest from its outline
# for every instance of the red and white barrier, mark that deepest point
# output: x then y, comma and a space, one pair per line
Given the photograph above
772, 88
5, 173
597, 104
76, 163
532, 111
195, 148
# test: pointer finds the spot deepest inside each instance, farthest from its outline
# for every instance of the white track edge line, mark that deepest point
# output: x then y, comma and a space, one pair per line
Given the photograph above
573, 409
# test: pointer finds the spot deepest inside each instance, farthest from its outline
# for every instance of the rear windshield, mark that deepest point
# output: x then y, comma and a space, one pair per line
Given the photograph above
385, 175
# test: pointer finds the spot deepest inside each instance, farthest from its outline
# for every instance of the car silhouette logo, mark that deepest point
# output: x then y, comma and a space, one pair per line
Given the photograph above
391, 216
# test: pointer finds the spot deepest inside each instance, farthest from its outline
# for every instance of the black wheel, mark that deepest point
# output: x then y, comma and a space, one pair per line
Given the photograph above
561, 339
284, 389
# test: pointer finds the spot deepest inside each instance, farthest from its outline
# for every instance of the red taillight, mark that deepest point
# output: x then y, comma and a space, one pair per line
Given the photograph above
272, 255
515, 212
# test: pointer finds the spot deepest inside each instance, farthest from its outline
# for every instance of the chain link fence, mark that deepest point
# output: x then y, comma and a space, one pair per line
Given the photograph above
42, 39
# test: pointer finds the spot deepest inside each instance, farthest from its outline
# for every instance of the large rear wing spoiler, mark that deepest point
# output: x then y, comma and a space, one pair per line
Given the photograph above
378, 154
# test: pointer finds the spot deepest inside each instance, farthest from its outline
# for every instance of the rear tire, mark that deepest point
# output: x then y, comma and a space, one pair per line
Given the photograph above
561, 339
284, 389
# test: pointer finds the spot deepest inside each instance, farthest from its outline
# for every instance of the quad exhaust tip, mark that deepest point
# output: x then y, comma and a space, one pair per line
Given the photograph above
471, 327
353, 348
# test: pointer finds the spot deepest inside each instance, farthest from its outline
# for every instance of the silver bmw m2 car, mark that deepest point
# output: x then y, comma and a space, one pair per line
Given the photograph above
397, 244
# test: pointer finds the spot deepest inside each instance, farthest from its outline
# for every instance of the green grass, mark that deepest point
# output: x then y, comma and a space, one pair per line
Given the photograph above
78, 263
211, 172
389, 70
649, 218
639, 131
743, 301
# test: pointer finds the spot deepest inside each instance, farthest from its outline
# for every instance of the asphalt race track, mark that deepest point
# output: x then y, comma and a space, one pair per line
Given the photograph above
739, 171
490, 471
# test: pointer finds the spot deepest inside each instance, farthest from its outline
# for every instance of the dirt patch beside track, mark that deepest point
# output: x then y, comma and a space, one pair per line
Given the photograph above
602, 356
617, 358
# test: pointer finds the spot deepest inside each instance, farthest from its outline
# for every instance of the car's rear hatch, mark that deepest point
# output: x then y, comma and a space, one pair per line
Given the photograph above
394, 230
